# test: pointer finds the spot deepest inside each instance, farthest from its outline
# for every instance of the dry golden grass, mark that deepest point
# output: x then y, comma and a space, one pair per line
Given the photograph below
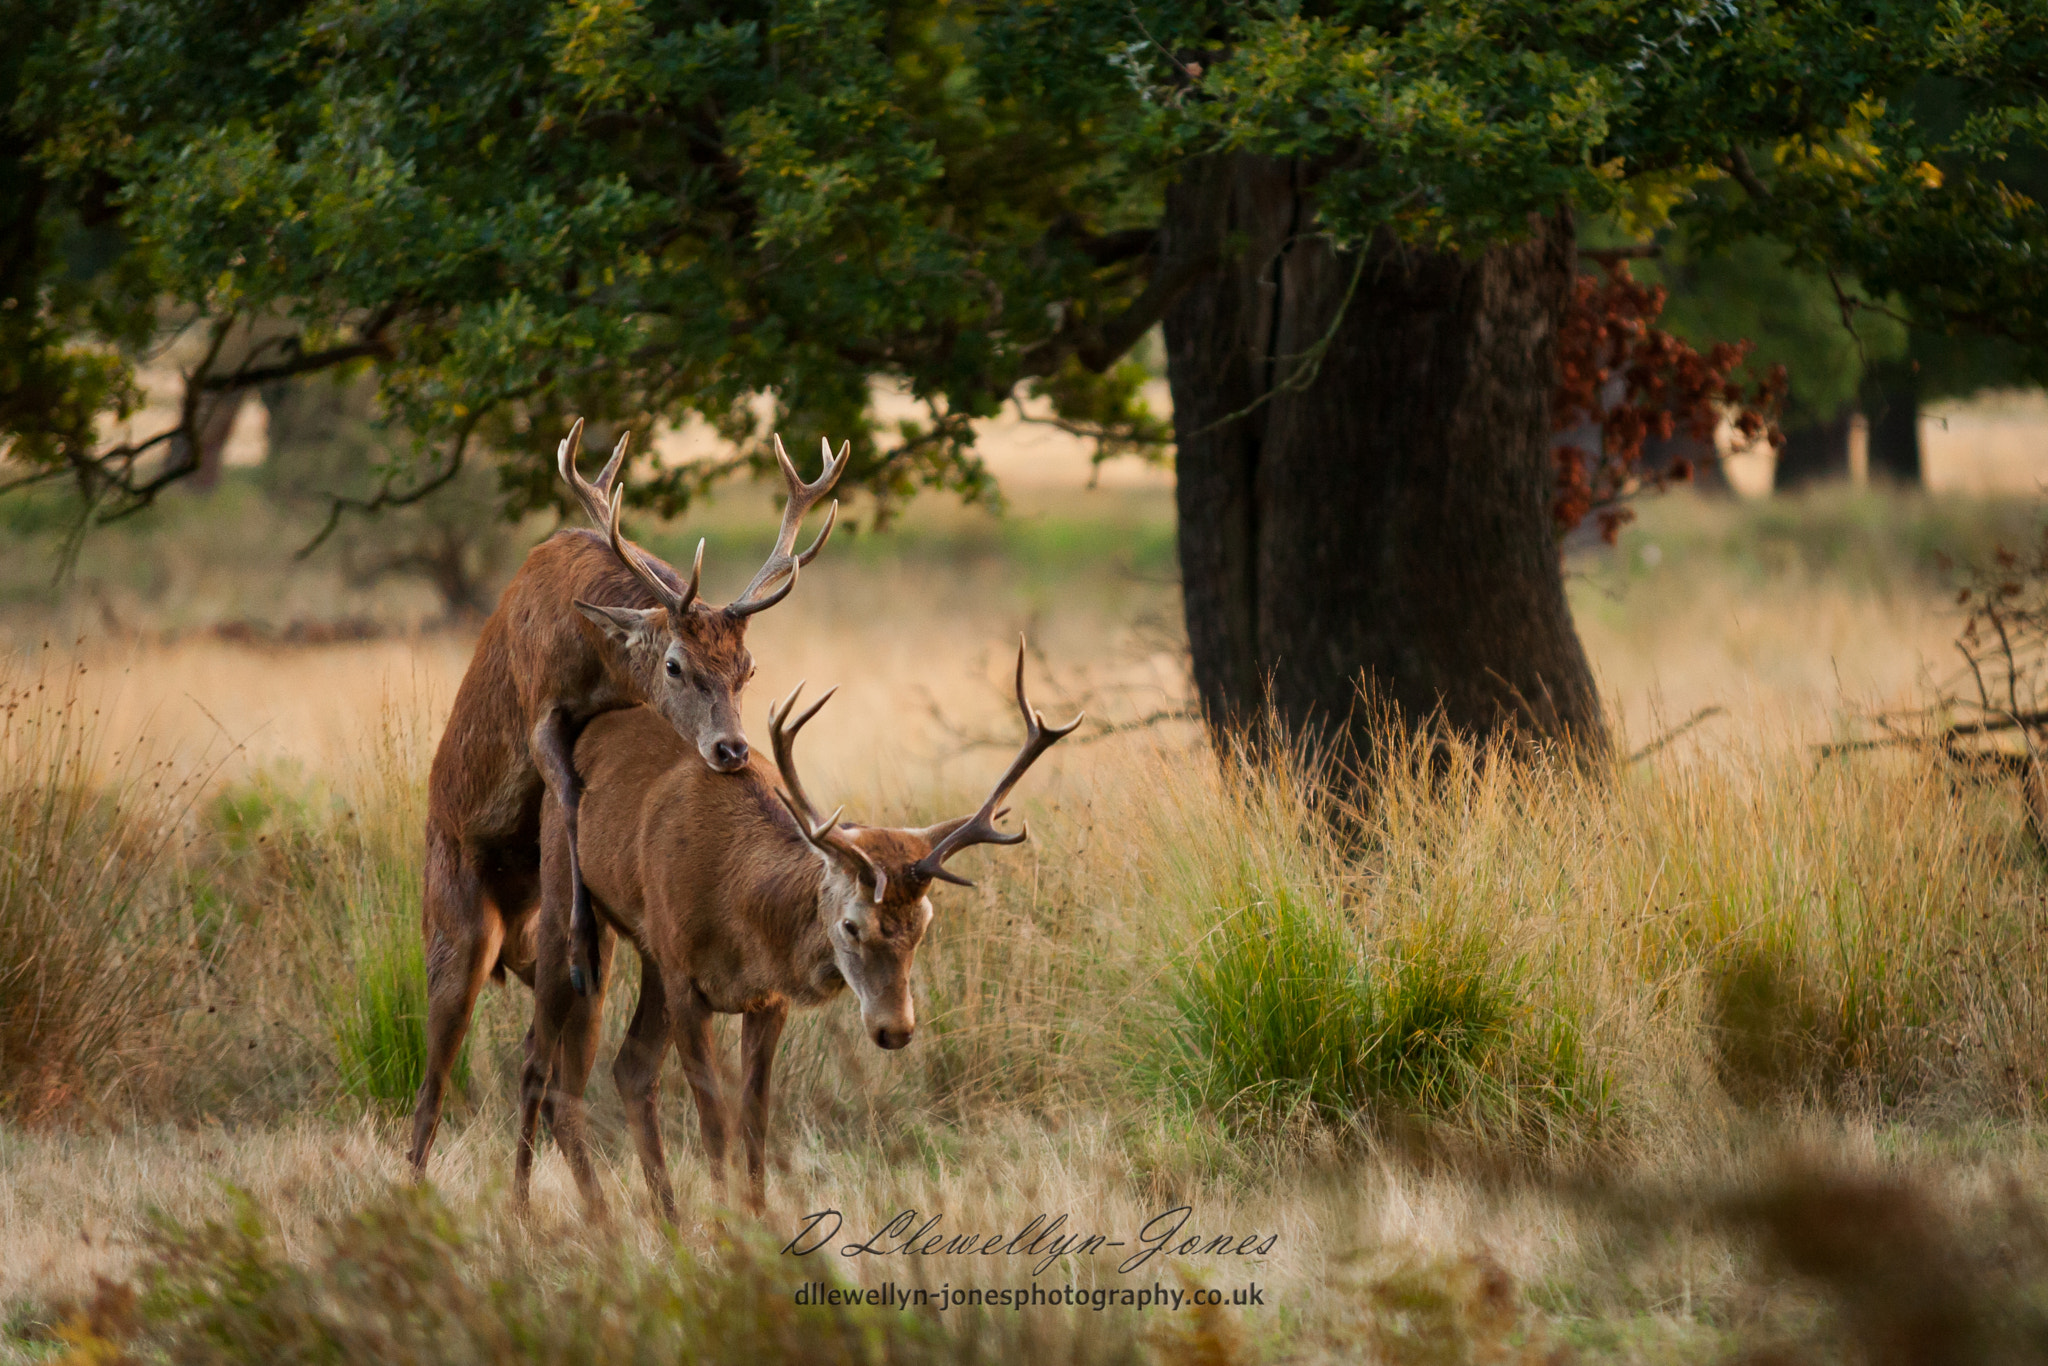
1756, 954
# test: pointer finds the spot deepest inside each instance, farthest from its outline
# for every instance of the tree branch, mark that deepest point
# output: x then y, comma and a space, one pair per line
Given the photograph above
305, 363
1110, 248
1098, 345
385, 498
1607, 256
184, 461
1745, 176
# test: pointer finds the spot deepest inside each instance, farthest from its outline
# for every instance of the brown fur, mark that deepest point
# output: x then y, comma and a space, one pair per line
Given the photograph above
733, 911
541, 671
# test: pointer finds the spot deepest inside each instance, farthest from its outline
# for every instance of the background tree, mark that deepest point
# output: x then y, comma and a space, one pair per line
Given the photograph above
73, 297
1794, 318
1948, 361
1358, 223
327, 440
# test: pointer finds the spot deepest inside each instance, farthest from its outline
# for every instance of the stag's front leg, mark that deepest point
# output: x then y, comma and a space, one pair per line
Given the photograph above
759, 1035
637, 1073
575, 1052
690, 1026
553, 744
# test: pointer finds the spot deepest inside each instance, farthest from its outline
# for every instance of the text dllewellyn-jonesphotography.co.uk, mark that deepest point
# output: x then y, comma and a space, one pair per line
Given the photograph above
1044, 1240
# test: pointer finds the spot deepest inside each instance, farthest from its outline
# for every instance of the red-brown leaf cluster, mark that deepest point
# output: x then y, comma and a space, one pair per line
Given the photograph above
1665, 387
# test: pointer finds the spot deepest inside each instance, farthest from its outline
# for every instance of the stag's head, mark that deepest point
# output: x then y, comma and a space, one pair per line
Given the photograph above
874, 899
689, 660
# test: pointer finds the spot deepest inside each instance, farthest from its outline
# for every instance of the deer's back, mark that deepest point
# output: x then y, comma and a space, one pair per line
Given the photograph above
706, 870
535, 652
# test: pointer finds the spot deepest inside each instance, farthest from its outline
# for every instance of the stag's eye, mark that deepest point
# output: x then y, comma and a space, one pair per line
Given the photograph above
675, 670
852, 930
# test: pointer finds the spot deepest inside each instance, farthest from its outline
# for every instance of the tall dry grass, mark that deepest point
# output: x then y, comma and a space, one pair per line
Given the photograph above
1529, 955
95, 935
1493, 947
1382, 1030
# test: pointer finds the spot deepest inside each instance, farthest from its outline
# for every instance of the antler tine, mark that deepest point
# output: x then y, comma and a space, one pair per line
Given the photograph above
565, 461
827, 479
981, 828
823, 835
783, 561
640, 563
746, 607
595, 497
612, 466
782, 735
814, 831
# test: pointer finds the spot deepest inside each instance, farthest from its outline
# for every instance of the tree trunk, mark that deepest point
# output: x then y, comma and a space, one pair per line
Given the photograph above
1891, 397
1381, 517
216, 422
1814, 451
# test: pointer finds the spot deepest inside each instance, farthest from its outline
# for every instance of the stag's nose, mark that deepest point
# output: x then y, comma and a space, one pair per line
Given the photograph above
728, 756
892, 1038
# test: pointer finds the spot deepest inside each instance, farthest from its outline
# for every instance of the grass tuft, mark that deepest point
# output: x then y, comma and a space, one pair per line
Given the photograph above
377, 1013
1286, 1006
91, 958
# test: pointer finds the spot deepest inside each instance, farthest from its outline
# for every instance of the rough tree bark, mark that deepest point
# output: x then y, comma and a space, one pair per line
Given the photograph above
1815, 451
1891, 398
1382, 516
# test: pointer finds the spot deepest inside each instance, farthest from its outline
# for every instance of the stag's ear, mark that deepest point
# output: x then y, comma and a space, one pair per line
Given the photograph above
623, 626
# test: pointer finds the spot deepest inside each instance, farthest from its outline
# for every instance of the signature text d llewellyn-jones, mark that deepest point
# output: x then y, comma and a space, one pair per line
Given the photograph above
1045, 1240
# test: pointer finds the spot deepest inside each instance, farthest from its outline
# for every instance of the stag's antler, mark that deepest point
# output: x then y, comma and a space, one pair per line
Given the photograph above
602, 501
822, 834
782, 735
642, 564
594, 497
802, 498
980, 828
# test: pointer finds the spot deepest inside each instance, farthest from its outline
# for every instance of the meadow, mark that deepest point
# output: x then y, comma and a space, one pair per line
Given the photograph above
1735, 1047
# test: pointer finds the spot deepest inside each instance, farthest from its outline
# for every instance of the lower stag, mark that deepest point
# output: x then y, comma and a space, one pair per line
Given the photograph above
741, 902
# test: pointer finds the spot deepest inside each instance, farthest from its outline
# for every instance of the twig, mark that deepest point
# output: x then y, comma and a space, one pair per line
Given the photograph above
1983, 694
1835, 747
1607, 256
1703, 714
1745, 176
384, 497
1087, 431
1311, 360
1145, 722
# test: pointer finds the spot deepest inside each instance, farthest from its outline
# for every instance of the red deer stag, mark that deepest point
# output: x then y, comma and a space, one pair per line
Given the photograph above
541, 671
741, 902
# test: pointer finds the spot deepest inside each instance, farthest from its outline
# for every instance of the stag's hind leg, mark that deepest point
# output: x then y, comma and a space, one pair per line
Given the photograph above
560, 1049
463, 931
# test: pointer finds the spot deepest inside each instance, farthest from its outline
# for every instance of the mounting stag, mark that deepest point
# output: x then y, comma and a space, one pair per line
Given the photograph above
637, 634
741, 902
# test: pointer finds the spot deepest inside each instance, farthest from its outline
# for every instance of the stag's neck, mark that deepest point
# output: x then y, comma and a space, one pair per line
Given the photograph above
785, 884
